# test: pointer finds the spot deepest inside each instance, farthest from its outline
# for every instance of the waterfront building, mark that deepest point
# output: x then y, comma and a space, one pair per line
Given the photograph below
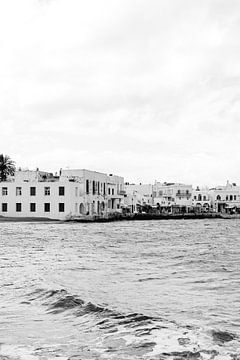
201, 200
225, 199
172, 197
138, 197
73, 193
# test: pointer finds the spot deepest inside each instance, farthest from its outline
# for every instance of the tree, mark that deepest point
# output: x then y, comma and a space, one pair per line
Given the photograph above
7, 167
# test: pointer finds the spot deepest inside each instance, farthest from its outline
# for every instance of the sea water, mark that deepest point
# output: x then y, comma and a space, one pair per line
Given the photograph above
124, 290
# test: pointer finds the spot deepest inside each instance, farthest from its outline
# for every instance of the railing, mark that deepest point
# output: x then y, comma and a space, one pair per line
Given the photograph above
121, 192
182, 194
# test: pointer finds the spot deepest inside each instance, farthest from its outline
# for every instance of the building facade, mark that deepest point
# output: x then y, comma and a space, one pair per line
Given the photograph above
225, 199
138, 197
74, 193
172, 197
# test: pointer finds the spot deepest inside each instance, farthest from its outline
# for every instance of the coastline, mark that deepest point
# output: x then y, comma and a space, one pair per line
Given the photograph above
120, 217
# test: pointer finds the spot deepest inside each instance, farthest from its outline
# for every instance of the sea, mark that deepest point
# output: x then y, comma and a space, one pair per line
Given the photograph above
128, 290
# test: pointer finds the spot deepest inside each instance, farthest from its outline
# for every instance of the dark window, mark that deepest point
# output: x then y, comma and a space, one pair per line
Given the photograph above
47, 190
18, 207
32, 207
104, 189
87, 186
98, 185
235, 197
112, 191
93, 187
61, 207
46, 207
109, 191
231, 197
227, 197
4, 190
32, 191
61, 190
4, 207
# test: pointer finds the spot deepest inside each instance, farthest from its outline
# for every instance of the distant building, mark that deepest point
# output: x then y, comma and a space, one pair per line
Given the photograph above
201, 200
226, 198
74, 193
172, 197
138, 197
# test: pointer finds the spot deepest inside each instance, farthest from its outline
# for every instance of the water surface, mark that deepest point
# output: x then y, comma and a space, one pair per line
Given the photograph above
124, 290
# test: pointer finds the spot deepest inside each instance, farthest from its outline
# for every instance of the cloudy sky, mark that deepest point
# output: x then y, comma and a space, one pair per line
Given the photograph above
147, 89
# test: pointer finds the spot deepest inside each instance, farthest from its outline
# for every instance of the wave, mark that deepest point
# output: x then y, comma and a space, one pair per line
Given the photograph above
137, 333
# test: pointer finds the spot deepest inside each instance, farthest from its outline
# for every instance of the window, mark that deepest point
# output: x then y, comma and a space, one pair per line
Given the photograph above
227, 197
112, 191
47, 190
46, 207
61, 190
231, 197
32, 191
87, 186
235, 197
61, 207
4, 207
18, 191
104, 189
98, 187
109, 191
93, 187
4, 191
18, 207
32, 207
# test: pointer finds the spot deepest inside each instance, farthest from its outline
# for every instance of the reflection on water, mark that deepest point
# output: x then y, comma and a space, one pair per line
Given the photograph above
128, 290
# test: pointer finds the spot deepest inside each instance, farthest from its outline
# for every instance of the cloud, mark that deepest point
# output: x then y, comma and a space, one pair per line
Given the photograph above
148, 89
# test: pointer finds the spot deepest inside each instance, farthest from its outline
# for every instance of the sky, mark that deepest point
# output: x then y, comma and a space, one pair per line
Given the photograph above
145, 89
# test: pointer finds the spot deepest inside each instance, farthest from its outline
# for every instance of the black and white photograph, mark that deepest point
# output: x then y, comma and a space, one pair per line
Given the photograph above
119, 180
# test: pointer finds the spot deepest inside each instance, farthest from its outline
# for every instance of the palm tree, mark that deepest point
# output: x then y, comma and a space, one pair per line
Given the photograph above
7, 167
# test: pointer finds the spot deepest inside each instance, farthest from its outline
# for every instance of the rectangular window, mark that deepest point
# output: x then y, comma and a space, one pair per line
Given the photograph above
109, 191
47, 190
46, 207
32, 207
104, 189
93, 187
4, 207
98, 187
61, 207
61, 190
235, 197
18, 207
32, 191
87, 186
112, 191
4, 191
18, 191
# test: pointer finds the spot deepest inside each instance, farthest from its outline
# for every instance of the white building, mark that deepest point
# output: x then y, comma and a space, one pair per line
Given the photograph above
138, 196
225, 198
74, 193
172, 197
201, 199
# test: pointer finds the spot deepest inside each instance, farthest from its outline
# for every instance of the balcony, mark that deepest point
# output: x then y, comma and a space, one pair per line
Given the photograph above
121, 192
183, 194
